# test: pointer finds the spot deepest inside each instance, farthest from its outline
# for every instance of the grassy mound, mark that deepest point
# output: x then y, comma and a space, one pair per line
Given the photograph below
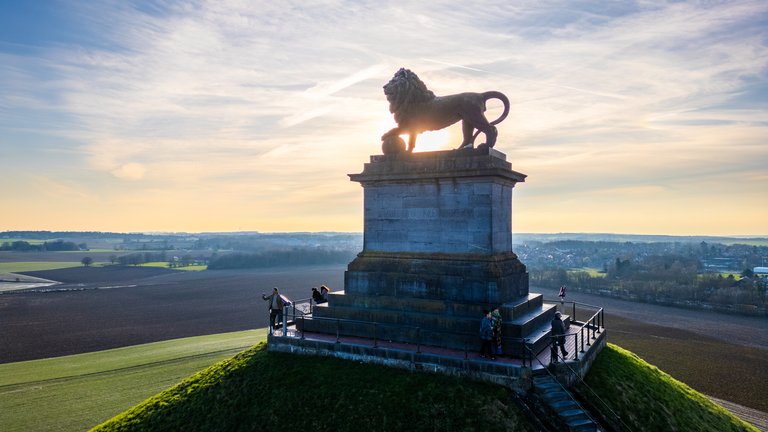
647, 399
260, 390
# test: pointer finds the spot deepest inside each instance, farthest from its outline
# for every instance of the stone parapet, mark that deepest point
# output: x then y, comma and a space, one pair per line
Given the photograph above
514, 377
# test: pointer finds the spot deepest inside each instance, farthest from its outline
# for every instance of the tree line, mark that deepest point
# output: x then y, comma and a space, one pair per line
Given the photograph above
278, 258
52, 246
664, 279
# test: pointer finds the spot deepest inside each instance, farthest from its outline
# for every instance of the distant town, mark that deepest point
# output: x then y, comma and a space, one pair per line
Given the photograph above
728, 274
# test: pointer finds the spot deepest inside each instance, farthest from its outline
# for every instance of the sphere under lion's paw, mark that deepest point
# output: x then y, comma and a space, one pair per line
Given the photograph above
392, 145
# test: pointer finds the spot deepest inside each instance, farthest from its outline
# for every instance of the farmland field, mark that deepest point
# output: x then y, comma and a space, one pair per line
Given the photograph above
593, 272
720, 355
49, 394
68, 256
98, 308
18, 267
164, 264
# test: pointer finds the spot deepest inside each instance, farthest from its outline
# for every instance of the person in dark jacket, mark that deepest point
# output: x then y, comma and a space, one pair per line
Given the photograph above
316, 296
496, 345
486, 335
558, 338
275, 305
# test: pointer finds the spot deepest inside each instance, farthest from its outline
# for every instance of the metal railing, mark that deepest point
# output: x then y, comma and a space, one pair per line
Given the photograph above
592, 419
588, 331
592, 396
386, 333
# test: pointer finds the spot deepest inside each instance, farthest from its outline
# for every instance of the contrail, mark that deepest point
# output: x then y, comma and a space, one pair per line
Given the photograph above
542, 83
454, 65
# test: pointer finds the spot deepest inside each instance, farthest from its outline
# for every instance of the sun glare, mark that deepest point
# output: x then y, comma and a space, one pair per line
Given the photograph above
426, 141
431, 141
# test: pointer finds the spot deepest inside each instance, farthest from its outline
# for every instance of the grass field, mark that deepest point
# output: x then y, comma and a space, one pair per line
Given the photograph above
647, 399
732, 372
77, 392
250, 392
30, 241
593, 272
86, 252
258, 390
164, 264
16, 267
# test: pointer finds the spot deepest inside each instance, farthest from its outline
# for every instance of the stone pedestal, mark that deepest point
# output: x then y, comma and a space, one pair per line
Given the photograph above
437, 250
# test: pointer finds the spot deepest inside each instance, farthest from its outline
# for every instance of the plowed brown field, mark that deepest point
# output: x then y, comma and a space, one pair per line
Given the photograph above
99, 308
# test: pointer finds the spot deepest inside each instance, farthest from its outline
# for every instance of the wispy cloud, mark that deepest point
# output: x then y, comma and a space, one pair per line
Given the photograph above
276, 103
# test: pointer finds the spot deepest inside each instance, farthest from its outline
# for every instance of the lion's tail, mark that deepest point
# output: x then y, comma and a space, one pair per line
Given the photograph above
500, 96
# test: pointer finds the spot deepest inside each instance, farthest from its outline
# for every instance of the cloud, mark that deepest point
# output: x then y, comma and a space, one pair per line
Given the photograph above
130, 171
285, 98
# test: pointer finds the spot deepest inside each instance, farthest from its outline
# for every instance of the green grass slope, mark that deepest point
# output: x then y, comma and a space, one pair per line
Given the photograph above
262, 391
74, 393
647, 399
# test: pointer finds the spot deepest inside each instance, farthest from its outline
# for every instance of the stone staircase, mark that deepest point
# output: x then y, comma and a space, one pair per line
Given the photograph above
441, 323
560, 402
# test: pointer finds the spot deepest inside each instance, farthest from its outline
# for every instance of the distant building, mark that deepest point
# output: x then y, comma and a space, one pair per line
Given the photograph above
722, 264
760, 271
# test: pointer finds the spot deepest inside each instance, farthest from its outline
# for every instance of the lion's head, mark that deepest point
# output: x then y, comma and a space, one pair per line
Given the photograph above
404, 91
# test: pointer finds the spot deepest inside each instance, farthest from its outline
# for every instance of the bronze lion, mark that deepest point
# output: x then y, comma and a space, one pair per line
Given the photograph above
417, 109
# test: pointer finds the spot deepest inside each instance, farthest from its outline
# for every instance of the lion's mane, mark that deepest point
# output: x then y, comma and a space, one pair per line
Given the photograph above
405, 92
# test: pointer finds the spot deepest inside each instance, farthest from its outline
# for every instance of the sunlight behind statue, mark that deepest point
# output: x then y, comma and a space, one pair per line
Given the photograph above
417, 110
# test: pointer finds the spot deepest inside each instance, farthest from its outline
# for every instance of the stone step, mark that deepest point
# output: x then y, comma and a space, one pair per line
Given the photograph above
581, 423
383, 332
556, 396
513, 310
538, 338
564, 405
543, 379
509, 311
572, 414
587, 428
534, 319
435, 329
546, 387
531, 325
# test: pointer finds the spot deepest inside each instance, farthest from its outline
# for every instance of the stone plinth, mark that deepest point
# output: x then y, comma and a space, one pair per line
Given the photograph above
448, 202
437, 250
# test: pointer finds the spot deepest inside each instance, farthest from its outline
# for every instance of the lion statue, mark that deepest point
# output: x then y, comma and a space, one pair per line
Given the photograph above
417, 109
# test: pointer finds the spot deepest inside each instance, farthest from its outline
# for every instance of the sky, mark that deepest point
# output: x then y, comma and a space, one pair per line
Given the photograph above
143, 116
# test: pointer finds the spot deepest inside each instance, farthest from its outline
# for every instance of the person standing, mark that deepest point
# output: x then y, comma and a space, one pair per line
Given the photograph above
558, 337
486, 335
275, 305
316, 296
496, 322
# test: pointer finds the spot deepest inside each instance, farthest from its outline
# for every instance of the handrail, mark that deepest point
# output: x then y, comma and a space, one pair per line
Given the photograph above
591, 327
421, 334
596, 396
566, 390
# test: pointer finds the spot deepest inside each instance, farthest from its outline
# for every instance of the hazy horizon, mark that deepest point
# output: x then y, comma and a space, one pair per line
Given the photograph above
222, 116
756, 236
